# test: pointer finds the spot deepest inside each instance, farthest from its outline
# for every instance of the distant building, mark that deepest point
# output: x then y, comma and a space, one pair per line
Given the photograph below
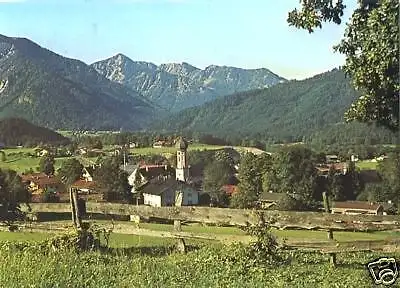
331, 158
270, 199
87, 173
84, 187
39, 183
357, 207
339, 168
159, 144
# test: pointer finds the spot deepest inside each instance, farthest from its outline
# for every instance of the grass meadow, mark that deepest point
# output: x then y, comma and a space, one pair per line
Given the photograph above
144, 262
366, 165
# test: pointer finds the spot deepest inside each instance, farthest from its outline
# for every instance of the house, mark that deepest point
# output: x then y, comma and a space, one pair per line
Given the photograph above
84, 187
146, 174
331, 158
159, 144
357, 207
269, 199
230, 189
164, 190
339, 168
39, 184
87, 173
170, 192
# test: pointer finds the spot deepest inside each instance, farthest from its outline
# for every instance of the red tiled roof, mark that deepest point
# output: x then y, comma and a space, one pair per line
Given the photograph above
230, 189
41, 179
361, 205
335, 166
29, 177
83, 184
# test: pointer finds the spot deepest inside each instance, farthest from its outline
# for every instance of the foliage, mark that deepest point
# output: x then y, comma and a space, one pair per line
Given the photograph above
216, 175
46, 164
12, 192
15, 131
294, 173
264, 250
389, 171
309, 110
371, 47
250, 183
112, 180
70, 171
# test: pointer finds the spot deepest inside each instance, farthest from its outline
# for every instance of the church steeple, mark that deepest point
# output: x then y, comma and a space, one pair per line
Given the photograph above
182, 167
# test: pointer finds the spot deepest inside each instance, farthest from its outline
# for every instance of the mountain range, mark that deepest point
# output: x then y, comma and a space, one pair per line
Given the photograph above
176, 86
61, 93
53, 91
287, 112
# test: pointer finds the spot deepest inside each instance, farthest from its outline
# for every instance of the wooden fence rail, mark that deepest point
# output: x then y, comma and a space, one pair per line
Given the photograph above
324, 246
230, 217
237, 217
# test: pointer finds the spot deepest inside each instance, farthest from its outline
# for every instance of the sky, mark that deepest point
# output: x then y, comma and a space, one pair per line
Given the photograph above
241, 33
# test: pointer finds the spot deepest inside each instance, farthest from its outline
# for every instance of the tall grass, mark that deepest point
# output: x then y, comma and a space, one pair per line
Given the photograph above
208, 267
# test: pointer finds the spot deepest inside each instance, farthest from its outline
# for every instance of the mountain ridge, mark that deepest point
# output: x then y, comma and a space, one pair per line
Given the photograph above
54, 91
176, 86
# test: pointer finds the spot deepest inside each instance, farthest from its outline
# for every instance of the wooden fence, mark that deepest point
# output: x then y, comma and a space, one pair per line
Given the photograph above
231, 217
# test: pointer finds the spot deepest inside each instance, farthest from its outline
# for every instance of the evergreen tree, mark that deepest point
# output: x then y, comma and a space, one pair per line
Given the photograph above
46, 164
250, 183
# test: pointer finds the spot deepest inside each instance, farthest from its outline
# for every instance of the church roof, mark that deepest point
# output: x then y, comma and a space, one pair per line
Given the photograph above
161, 186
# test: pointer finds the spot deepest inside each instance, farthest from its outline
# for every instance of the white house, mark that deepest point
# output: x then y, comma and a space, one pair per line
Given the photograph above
166, 191
170, 193
87, 173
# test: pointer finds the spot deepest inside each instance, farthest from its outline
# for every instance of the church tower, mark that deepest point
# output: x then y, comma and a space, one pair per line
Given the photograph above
182, 168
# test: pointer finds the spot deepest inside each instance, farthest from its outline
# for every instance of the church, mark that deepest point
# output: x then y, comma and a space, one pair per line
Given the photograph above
160, 186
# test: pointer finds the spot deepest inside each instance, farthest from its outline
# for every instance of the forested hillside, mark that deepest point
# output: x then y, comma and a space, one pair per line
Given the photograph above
287, 112
14, 131
57, 92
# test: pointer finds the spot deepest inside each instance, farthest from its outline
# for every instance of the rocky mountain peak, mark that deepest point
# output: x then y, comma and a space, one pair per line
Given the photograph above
176, 86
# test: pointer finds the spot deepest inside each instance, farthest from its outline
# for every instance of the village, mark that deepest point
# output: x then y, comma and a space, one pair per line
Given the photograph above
176, 181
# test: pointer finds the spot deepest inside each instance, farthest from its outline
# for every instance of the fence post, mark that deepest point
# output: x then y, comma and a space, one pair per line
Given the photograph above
71, 200
330, 232
76, 215
181, 247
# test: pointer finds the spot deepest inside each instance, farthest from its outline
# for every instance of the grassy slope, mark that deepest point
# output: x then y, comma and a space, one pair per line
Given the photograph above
144, 265
21, 163
366, 165
202, 268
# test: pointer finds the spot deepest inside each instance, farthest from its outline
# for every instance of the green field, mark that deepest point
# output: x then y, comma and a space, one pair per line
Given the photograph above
210, 266
137, 261
17, 160
366, 165
172, 150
